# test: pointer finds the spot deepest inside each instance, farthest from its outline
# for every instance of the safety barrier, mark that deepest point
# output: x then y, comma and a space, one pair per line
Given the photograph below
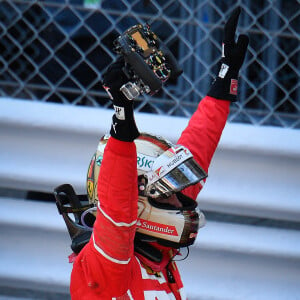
254, 173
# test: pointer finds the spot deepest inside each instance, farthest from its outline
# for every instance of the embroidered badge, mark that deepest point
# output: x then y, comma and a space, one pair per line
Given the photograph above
223, 70
120, 112
233, 87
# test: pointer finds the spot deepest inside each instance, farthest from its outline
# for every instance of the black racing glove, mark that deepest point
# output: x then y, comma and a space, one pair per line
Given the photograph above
225, 84
123, 125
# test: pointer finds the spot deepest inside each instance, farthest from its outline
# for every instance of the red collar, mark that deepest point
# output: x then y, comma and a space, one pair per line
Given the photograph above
167, 255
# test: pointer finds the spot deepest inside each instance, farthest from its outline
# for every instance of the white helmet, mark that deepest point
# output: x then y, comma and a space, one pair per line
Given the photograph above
163, 169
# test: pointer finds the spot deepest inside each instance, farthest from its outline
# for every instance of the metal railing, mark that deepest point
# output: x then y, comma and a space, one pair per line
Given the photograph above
55, 51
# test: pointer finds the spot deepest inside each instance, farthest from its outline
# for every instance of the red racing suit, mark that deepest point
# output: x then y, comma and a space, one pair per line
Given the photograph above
107, 267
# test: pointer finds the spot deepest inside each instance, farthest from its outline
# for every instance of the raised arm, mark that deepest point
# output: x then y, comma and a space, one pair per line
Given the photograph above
117, 183
106, 260
205, 128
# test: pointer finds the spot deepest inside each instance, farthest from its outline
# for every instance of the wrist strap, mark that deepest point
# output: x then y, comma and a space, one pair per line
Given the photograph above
123, 125
224, 89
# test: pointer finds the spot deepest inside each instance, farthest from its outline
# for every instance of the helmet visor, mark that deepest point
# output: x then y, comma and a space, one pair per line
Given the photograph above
186, 174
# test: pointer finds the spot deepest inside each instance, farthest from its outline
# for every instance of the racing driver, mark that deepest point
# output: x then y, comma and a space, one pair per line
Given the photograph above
144, 189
